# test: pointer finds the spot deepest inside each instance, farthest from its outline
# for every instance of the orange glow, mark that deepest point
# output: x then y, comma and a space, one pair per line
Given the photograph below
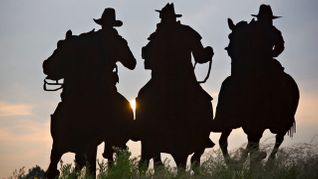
133, 104
7, 109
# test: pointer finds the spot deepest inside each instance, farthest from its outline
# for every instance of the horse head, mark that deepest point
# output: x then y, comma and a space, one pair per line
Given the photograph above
56, 65
238, 47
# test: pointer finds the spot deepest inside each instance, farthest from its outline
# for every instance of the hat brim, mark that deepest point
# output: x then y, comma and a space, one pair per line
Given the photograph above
176, 15
273, 17
116, 23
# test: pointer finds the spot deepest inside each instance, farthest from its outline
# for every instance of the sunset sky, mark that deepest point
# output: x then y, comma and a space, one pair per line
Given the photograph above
30, 29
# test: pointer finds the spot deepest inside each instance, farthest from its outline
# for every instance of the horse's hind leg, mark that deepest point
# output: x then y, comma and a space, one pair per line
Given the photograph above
223, 144
55, 157
278, 142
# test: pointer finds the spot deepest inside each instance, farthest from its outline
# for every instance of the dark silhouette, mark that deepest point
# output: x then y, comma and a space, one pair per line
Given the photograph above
258, 95
173, 111
91, 111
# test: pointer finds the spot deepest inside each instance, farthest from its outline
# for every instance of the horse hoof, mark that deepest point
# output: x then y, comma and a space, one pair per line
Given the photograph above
262, 155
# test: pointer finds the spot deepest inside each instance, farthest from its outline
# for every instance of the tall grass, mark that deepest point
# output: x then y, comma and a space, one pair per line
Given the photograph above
299, 161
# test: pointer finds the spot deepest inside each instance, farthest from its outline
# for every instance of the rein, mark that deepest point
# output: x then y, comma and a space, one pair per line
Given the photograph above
56, 83
60, 84
208, 73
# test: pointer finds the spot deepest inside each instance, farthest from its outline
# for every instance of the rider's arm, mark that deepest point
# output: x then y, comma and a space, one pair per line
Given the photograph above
200, 54
126, 57
278, 43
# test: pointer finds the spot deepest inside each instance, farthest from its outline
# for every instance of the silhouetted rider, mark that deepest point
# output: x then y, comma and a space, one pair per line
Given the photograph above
268, 40
173, 102
91, 107
170, 47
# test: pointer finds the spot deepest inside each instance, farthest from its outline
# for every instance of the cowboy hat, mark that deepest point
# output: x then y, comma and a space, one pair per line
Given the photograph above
168, 10
265, 11
109, 17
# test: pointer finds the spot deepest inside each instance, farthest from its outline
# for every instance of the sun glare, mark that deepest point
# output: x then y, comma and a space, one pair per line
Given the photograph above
133, 104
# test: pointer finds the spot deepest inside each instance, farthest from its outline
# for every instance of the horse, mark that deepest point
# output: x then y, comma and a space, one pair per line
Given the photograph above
173, 123
84, 119
248, 99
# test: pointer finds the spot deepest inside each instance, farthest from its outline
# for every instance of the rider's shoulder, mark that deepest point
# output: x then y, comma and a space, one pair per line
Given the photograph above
276, 30
189, 31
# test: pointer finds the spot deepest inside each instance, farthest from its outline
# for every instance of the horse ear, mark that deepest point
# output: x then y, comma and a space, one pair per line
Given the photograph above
68, 34
230, 23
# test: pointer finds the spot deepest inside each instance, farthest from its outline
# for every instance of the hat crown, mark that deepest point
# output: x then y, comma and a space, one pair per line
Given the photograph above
265, 12
168, 11
108, 17
109, 14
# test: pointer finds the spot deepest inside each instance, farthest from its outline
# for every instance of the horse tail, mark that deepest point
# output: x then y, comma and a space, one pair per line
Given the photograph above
292, 130
295, 95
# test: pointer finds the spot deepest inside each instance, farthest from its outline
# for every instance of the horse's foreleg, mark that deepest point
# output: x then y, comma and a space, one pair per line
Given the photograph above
79, 162
108, 154
253, 148
55, 157
144, 158
223, 144
278, 142
181, 162
91, 161
196, 158
157, 160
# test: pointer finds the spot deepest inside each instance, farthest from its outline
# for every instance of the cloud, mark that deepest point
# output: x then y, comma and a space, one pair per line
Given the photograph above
24, 143
7, 109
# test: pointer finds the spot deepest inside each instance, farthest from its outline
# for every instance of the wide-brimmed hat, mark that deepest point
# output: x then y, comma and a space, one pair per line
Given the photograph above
109, 17
265, 11
167, 11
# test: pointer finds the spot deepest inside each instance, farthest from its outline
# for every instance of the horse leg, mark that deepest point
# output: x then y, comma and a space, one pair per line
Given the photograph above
278, 142
223, 145
55, 157
157, 160
91, 161
79, 162
181, 162
108, 154
196, 158
144, 158
253, 148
